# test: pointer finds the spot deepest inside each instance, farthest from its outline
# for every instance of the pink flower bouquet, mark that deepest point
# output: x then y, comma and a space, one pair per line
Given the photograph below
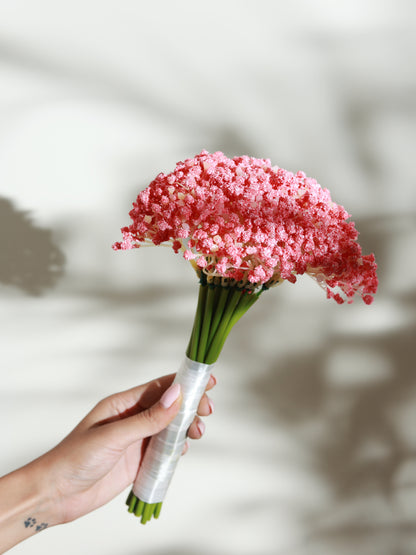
245, 226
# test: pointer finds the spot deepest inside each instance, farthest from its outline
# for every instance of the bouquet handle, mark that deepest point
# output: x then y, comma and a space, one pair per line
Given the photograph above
165, 448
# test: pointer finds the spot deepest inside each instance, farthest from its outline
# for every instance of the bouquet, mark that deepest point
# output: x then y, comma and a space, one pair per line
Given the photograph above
245, 226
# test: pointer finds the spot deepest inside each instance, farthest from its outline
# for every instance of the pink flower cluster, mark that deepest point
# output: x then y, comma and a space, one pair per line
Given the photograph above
245, 219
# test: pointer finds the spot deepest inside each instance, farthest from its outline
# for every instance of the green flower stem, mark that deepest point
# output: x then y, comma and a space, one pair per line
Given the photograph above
219, 309
158, 508
214, 348
129, 500
206, 322
193, 344
138, 510
222, 294
245, 303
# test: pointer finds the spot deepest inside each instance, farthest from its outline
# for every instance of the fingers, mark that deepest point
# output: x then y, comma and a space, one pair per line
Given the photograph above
147, 422
123, 404
206, 406
211, 382
196, 429
143, 411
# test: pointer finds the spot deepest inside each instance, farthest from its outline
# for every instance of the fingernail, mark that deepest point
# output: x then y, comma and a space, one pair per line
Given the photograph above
211, 406
201, 427
214, 379
170, 395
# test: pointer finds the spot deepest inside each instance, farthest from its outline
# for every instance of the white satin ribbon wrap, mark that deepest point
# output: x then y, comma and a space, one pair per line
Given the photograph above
165, 448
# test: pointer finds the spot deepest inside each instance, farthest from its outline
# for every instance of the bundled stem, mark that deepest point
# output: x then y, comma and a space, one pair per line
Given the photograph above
219, 309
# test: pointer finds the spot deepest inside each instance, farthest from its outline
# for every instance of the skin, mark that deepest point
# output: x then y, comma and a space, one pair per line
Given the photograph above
93, 464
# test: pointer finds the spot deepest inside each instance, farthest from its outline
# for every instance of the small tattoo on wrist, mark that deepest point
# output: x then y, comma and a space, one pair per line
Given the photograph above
31, 522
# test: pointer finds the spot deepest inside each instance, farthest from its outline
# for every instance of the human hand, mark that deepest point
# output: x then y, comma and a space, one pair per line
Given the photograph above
101, 456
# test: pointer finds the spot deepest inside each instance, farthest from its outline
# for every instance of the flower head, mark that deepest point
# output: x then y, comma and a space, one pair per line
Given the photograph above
252, 222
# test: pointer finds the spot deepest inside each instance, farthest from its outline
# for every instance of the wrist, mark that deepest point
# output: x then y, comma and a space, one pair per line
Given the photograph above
25, 505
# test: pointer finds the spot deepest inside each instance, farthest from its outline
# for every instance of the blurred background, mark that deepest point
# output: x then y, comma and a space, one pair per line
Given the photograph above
312, 447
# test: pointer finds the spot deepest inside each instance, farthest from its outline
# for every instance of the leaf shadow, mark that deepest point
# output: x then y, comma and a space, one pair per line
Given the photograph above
29, 258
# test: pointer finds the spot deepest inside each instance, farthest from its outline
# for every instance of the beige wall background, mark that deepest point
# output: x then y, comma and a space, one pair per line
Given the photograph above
312, 448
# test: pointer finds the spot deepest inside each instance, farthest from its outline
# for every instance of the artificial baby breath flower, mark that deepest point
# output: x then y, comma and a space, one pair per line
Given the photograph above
252, 222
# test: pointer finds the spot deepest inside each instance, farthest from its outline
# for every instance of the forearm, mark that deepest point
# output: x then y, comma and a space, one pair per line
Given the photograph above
25, 507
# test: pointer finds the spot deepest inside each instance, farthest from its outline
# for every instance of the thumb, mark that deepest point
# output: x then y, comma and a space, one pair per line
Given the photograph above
152, 420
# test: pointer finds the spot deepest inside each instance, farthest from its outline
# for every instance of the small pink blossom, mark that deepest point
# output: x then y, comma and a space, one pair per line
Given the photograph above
189, 255
243, 218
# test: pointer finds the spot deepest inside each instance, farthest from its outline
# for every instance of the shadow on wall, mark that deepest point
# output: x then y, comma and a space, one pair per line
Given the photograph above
29, 259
